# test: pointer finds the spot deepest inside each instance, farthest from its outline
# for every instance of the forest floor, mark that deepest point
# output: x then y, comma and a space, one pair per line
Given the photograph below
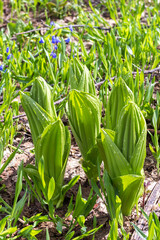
9, 176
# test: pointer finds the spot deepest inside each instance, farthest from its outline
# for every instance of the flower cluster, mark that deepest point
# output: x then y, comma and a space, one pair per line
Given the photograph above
8, 58
56, 40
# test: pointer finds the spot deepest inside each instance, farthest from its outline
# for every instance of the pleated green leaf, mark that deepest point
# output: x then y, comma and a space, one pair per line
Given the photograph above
81, 78
119, 97
41, 92
130, 136
124, 153
38, 118
114, 161
54, 146
89, 164
139, 154
129, 188
84, 114
51, 188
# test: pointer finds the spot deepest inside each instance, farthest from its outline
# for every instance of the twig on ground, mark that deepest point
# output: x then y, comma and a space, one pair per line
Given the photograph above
152, 130
57, 28
47, 27
145, 72
23, 115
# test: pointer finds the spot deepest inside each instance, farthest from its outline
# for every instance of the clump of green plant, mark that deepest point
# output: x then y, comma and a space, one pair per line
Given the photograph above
52, 144
79, 211
8, 224
123, 148
84, 114
112, 202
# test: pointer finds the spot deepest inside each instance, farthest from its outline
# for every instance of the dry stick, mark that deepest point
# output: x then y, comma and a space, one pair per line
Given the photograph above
57, 28
54, 29
152, 130
67, 26
23, 115
145, 72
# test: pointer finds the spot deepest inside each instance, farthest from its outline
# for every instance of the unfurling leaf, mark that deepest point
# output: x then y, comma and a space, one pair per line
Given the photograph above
124, 153
41, 92
51, 188
38, 118
81, 78
120, 95
84, 114
54, 146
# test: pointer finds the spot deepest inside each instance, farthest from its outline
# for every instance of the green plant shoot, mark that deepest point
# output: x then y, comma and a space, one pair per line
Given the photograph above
84, 114
124, 154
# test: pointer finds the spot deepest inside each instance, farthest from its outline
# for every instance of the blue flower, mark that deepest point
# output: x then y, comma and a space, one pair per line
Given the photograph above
52, 23
9, 56
55, 40
53, 54
41, 40
7, 50
67, 40
71, 28
1, 67
55, 47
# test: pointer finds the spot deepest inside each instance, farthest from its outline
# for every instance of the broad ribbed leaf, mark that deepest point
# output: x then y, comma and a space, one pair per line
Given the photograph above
80, 78
38, 118
123, 154
119, 97
89, 164
131, 126
129, 188
41, 92
84, 113
51, 145
114, 161
51, 188
139, 154
54, 146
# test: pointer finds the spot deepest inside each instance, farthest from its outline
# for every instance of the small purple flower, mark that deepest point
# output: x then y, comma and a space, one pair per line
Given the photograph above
1, 67
7, 50
53, 54
67, 40
55, 40
9, 56
55, 47
71, 28
52, 23
41, 40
